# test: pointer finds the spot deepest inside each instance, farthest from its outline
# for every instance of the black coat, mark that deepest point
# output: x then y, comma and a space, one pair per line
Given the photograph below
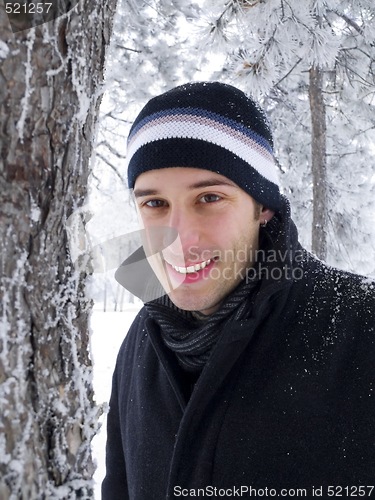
286, 400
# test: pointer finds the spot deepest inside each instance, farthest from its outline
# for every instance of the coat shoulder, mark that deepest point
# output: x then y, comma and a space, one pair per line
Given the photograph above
344, 295
343, 283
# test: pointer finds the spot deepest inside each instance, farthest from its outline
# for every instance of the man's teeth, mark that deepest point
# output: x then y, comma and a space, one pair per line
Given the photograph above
192, 269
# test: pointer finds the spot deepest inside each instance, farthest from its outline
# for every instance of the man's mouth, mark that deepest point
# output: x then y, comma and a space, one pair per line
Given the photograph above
192, 269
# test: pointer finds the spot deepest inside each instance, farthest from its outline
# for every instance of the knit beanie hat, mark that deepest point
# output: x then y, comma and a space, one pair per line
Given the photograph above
207, 125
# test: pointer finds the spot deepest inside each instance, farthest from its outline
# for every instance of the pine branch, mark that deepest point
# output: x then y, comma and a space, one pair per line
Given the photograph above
348, 69
348, 20
366, 54
220, 22
285, 103
159, 12
289, 72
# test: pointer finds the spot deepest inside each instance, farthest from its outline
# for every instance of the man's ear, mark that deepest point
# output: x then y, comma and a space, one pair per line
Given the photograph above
266, 215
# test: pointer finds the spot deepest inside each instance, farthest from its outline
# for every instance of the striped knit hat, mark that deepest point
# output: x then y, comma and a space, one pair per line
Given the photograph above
207, 125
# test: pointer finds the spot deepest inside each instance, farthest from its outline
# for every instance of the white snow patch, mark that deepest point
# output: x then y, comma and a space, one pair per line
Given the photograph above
108, 330
368, 284
16, 466
34, 210
28, 90
4, 50
4, 456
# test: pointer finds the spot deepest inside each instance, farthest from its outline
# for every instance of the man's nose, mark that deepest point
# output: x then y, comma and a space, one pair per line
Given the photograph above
188, 231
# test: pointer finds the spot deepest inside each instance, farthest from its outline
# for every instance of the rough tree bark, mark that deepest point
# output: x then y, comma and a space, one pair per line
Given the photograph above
318, 164
50, 90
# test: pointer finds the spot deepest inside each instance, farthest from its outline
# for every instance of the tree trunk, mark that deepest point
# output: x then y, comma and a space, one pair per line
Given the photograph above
318, 164
50, 87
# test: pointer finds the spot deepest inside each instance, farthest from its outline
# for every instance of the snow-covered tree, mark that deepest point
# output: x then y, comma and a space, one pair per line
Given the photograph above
50, 89
312, 65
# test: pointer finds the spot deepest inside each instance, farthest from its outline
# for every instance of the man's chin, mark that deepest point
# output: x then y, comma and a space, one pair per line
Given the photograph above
195, 303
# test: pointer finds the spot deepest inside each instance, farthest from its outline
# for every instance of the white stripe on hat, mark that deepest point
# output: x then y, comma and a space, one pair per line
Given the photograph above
206, 129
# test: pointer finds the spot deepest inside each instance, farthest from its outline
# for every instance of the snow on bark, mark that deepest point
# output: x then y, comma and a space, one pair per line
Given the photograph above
28, 89
51, 81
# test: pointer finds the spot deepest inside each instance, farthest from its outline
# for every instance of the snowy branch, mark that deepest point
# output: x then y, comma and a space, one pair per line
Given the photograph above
348, 20
112, 167
289, 72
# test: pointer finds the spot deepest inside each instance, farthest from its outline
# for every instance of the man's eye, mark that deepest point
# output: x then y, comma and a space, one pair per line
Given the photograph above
210, 198
155, 203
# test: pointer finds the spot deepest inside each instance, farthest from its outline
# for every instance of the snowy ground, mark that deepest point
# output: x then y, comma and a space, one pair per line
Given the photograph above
108, 330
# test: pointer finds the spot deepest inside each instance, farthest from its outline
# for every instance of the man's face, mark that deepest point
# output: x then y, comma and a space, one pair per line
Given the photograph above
218, 225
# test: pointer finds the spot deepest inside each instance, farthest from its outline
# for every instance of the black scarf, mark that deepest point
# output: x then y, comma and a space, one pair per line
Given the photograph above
192, 339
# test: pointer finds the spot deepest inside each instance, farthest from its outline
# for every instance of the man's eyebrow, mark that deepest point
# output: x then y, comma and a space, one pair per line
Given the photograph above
138, 193
211, 182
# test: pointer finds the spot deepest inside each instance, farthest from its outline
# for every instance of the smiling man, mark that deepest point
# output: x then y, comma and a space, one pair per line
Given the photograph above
197, 202
254, 375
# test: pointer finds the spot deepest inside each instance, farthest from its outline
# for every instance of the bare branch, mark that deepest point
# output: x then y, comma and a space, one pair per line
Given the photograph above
110, 115
286, 76
128, 48
350, 78
279, 166
112, 167
363, 131
97, 179
341, 155
111, 148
